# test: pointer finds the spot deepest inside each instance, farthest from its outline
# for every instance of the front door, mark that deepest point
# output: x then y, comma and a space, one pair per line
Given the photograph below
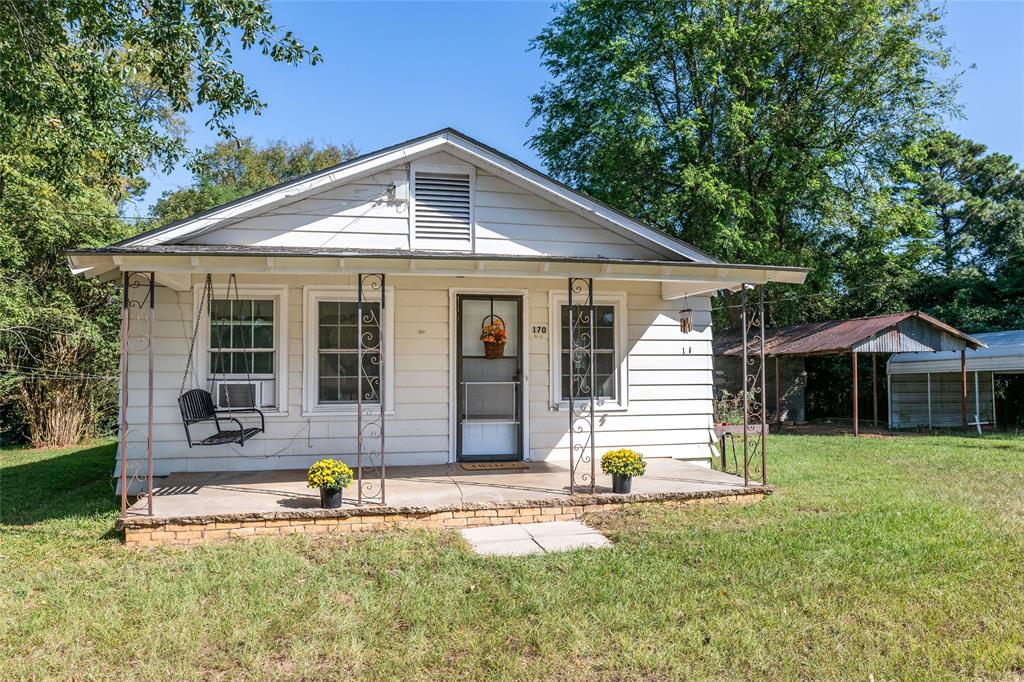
490, 379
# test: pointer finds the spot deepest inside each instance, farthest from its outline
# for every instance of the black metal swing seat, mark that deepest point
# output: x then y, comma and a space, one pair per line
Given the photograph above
197, 407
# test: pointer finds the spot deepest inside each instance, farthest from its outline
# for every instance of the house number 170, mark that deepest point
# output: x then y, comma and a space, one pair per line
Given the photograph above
540, 330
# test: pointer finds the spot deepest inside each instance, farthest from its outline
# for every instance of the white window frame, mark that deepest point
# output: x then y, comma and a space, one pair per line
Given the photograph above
442, 168
312, 295
556, 299
201, 356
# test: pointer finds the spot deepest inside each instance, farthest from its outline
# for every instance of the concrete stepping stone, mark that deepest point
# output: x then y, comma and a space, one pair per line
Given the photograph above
533, 538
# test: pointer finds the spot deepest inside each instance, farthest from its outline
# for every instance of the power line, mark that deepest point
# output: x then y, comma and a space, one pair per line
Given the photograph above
42, 370
34, 374
119, 216
800, 296
82, 214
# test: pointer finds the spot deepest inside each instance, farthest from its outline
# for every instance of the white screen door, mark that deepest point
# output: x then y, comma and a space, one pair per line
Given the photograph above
489, 397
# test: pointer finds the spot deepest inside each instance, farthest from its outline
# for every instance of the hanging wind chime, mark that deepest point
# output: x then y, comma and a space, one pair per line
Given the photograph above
686, 319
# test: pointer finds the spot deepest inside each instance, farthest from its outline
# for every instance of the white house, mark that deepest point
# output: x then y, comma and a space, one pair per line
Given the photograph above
459, 234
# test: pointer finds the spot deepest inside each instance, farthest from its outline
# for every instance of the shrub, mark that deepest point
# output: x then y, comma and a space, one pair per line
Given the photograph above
728, 408
329, 473
624, 462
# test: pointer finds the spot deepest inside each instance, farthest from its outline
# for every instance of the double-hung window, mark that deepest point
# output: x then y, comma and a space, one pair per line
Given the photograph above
244, 351
242, 338
338, 329
607, 356
333, 352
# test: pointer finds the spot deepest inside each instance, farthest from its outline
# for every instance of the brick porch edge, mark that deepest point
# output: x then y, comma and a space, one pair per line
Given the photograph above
146, 531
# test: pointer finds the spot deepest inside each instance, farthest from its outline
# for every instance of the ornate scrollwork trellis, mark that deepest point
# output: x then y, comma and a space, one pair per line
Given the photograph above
138, 300
370, 474
582, 385
755, 415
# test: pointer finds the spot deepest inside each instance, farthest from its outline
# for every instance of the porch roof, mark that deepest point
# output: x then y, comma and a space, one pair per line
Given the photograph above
174, 265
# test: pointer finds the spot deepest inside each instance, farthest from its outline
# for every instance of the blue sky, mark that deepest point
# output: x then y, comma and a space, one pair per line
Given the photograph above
393, 71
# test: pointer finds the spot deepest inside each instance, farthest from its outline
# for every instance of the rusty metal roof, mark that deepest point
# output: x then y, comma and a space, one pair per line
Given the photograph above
895, 333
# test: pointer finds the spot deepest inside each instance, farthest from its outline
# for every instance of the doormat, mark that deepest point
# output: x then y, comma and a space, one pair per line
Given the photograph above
490, 466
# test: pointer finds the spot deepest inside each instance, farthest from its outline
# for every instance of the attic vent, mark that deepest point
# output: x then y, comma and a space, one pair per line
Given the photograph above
442, 210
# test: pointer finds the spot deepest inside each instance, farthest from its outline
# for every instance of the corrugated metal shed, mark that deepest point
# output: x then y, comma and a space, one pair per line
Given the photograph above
935, 400
925, 389
1004, 354
897, 333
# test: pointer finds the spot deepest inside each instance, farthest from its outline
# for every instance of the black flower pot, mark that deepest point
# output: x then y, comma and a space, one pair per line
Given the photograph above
330, 498
621, 484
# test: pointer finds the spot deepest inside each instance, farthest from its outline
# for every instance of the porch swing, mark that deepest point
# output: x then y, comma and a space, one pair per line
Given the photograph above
197, 404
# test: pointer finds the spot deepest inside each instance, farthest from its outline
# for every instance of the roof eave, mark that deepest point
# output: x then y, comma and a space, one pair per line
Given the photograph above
712, 276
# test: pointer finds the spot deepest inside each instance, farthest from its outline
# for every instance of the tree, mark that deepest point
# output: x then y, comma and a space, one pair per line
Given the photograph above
749, 128
90, 95
228, 170
976, 201
92, 89
973, 271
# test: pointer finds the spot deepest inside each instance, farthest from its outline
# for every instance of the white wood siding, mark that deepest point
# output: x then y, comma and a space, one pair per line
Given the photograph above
508, 220
353, 215
669, 382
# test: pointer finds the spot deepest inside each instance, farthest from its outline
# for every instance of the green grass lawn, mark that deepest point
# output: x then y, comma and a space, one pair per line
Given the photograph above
901, 558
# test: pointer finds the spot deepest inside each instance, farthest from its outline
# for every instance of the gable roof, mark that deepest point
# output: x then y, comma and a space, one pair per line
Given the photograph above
446, 139
843, 336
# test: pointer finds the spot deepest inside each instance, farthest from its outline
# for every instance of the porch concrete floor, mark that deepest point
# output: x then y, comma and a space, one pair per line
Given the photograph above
218, 493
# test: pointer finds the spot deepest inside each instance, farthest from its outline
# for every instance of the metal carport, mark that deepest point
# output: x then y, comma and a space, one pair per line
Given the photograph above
923, 386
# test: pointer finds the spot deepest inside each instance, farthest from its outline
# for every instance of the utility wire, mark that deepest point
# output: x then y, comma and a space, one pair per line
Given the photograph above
80, 214
800, 296
119, 216
30, 374
44, 371
50, 377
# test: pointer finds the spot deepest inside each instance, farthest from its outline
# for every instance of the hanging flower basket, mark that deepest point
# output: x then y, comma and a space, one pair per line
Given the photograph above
494, 335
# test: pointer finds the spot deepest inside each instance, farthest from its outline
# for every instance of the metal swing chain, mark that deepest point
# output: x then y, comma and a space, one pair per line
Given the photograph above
207, 301
233, 284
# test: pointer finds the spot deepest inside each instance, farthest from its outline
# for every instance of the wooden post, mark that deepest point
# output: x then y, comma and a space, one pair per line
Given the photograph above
874, 388
928, 376
856, 408
963, 388
778, 402
992, 378
977, 403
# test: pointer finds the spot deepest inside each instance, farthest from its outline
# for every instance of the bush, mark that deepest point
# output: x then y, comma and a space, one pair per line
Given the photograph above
624, 462
329, 473
728, 408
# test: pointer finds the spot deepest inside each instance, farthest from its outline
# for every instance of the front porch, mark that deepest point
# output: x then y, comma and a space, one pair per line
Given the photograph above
190, 508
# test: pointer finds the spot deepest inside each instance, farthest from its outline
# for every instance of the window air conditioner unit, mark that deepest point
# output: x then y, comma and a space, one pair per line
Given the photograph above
240, 394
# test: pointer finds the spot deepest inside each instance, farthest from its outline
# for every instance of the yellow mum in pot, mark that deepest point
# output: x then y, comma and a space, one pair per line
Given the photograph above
331, 477
622, 465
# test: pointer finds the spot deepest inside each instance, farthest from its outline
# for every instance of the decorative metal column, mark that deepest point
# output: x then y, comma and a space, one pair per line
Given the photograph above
371, 381
141, 310
582, 385
755, 416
